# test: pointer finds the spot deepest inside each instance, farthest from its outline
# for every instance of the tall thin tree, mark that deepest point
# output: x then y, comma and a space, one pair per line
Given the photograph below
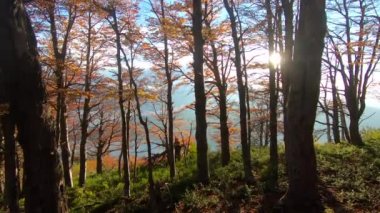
200, 97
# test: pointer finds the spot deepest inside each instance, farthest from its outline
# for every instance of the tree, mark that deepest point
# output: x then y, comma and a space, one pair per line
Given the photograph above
221, 71
229, 5
94, 51
23, 91
304, 80
353, 42
113, 20
159, 11
200, 97
60, 53
273, 96
107, 131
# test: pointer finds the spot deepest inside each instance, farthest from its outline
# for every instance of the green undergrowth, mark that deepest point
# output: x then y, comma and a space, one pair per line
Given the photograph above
349, 180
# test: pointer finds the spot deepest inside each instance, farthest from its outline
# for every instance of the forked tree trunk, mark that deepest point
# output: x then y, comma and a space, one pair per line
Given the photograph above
61, 117
23, 90
222, 89
200, 97
302, 194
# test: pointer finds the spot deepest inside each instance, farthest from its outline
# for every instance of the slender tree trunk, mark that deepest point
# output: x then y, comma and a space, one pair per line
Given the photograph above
246, 152
200, 97
64, 144
124, 120
272, 101
23, 90
86, 107
152, 193
222, 88
302, 194
136, 147
328, 127
61, 118
261, 133
335, 119
345, 132
73, 151
169, 101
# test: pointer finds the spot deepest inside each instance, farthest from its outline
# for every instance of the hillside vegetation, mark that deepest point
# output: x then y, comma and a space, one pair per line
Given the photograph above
349, 182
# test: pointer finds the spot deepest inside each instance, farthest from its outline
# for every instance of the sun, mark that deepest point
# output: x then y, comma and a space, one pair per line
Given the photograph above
275, 59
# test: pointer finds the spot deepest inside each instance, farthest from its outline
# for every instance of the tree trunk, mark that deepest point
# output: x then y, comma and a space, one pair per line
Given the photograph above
86, 106
335, 119
124, 120
99, 159
224, 131
152, 193
73, 151
328, 126
222, 89
64, 144
200, 97
2, 159
355, 136
286, 57
345, 132
272, 102
136, 147
11, 181
169, 101
302, 194
352, 106
23, 90
61, 118
246, 152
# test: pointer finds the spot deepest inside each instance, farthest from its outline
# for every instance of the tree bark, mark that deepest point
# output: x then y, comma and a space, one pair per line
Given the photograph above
124, 120
272, 101
302, 194
335, 119
86, 106
23, 90
169, 101
61, 118
200, 97
246, 152
99, 159
2, 165
11, 180
221, 84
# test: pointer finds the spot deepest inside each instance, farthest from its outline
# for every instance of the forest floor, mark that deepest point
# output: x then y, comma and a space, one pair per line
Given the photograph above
349, 182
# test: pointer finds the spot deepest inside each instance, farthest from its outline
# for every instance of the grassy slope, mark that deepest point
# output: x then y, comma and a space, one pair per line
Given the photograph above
349, 182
